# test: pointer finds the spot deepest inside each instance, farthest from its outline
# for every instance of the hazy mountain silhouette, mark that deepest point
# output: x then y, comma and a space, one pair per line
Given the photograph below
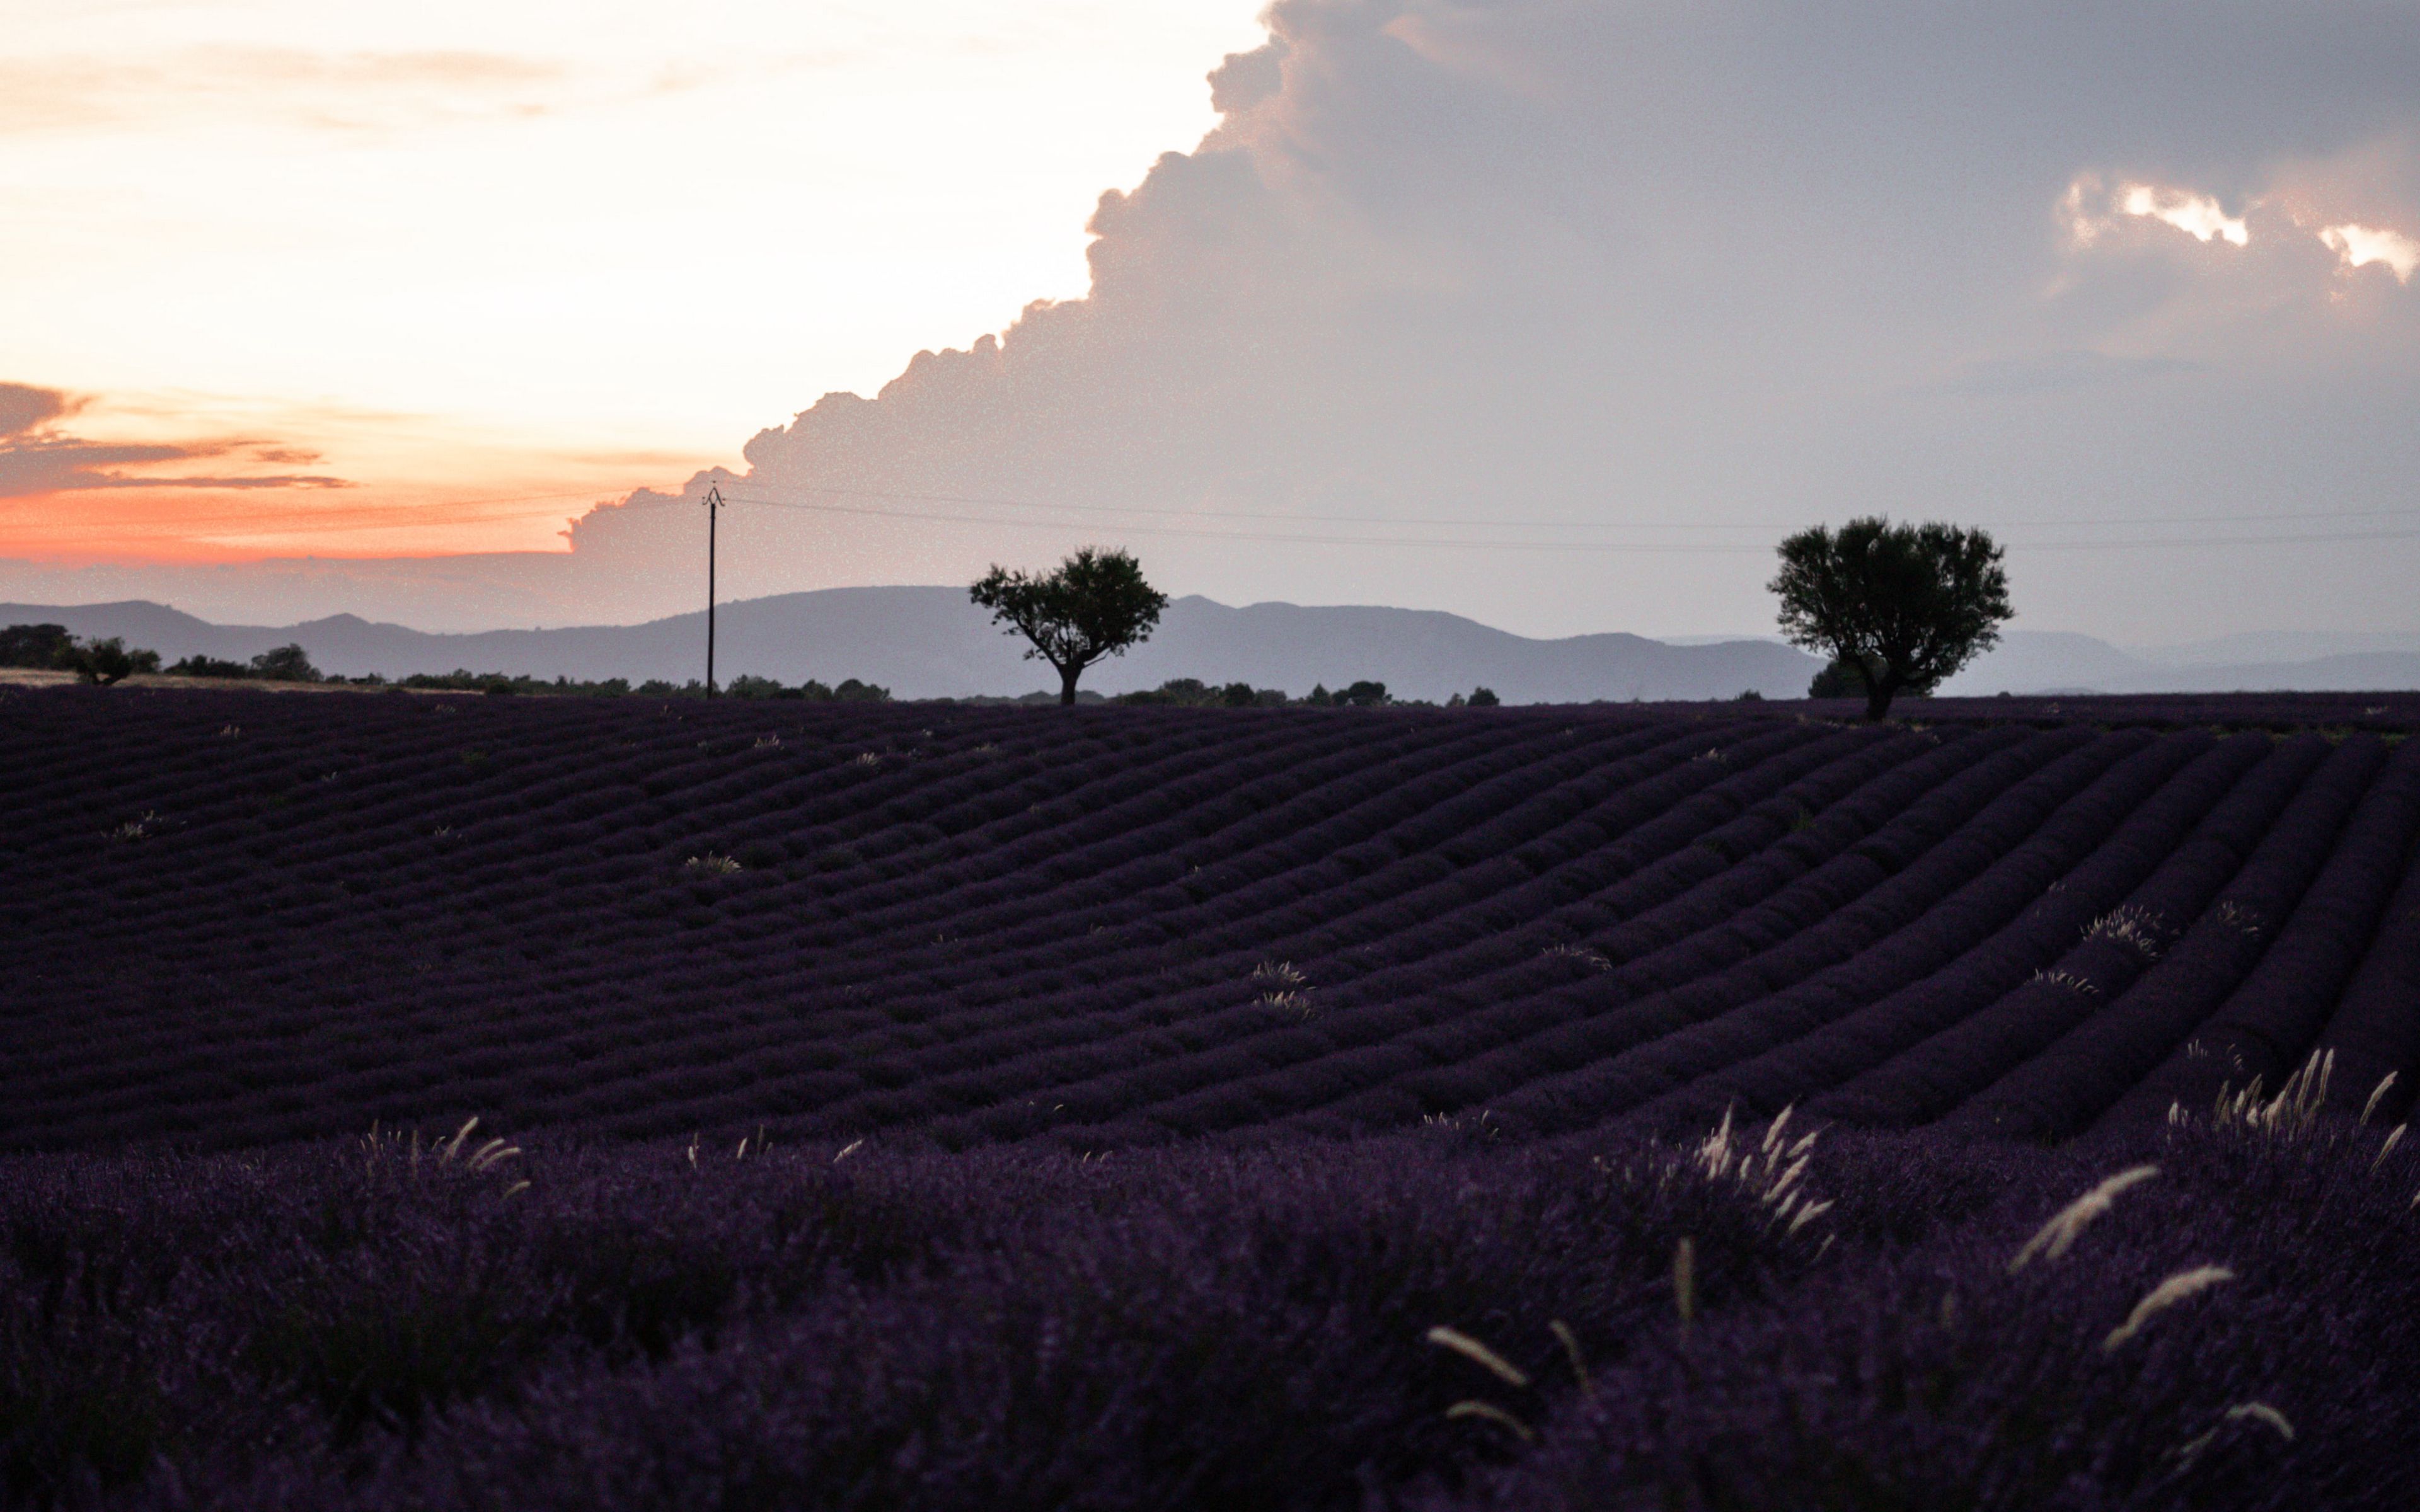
930, 642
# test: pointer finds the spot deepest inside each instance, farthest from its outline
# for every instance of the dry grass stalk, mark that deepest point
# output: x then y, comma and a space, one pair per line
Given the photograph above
1593, 959
2169, 1293
2235, 916
1685, 1281
1280, 974
2262, 1413
2392, 1139
2242, 1412
2376, 1094
1571, 1343
1493, 1414
1470, 1349
2055, 1237
2128, 924
495, 1151
1769, 1168
2293, 1111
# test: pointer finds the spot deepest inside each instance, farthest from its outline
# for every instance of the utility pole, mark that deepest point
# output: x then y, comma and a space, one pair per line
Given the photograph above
713, 510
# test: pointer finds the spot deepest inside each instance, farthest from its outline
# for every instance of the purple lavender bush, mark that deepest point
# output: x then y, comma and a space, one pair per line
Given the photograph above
915, 1106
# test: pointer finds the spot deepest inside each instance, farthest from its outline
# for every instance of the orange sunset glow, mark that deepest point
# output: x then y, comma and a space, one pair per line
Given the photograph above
308, 280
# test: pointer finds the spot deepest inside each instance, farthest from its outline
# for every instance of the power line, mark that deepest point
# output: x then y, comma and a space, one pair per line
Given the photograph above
1529, 524
1631, 549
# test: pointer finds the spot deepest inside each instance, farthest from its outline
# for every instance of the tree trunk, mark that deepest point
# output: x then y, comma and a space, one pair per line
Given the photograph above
1878, 697
1067, 677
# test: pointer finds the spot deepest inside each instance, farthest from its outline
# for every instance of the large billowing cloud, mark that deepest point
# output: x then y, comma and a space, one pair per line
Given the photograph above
1752, 263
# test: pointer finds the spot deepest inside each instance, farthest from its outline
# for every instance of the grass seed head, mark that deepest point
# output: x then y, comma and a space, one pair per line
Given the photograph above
2055, 1237
1494, 1414
1470, 1349
2169, 1293
2376, 1094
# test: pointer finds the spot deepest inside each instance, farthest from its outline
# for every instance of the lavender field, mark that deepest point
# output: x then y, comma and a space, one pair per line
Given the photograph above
923, 1106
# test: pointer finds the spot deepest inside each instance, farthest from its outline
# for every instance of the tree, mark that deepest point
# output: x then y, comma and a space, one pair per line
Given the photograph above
198, 665
286, 663
1839, 679
1907, 605
35, 646
1095, 606
106, 661
1484, 697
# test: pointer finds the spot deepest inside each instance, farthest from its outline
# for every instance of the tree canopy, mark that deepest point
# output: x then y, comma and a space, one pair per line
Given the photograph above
106, 661
1095, 606
1903, 605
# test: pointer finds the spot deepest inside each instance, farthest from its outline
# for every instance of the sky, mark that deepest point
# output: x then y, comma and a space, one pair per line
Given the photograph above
477, 252
1554, 312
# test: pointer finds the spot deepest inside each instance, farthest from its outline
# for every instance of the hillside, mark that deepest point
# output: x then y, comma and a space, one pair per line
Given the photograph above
1120, 926
982, 1108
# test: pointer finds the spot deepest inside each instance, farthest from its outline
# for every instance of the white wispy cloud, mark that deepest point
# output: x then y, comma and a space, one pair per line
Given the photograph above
2362, 245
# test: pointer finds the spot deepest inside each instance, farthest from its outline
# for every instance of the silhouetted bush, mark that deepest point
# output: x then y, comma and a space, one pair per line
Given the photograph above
198, 665
286, 663
108, 661
1189, 692
1841, 679
34, 645
1484, 697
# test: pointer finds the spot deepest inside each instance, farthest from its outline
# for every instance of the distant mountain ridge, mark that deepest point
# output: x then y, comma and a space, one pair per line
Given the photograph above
930, 642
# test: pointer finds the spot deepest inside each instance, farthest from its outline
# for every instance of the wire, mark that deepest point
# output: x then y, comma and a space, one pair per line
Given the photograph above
1465, 543
1529, 524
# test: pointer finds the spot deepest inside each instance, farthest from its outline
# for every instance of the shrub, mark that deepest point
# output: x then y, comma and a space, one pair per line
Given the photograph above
35, 646
198, 665
108, 661
288, 663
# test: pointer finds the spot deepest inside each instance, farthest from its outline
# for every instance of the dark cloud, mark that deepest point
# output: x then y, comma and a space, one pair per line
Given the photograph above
38, 458
23, 407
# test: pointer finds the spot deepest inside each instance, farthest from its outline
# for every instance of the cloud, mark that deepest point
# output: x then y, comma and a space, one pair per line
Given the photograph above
23, 407
2362, 245
36, 457
2094, 210
1607, 275
2057, 372
359, 91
